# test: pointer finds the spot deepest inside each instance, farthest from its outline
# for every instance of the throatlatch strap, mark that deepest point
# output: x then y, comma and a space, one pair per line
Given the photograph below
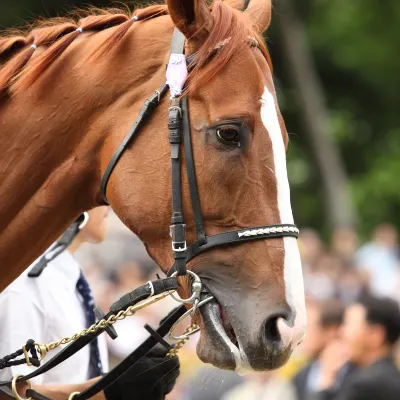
141, 293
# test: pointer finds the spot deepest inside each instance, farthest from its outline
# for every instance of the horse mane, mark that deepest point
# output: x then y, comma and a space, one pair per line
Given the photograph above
18, 71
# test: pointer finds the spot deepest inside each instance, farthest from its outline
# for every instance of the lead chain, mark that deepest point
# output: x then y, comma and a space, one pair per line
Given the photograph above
174, 351
102, 324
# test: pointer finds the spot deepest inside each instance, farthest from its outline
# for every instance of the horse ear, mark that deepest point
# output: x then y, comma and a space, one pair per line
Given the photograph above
260, 12
192, 17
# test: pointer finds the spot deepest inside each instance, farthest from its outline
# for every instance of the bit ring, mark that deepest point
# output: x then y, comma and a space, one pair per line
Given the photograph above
14, 387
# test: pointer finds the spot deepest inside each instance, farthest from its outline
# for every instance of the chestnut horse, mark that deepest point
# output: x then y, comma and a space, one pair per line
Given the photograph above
69, 93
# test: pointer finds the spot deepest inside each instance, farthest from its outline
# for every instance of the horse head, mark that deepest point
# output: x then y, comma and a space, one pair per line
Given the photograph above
239, 141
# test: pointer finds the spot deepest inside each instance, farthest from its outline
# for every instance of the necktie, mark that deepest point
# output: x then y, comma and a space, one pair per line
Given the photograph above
87, 301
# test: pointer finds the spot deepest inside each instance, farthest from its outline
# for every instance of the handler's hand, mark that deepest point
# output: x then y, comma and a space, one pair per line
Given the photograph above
152, 378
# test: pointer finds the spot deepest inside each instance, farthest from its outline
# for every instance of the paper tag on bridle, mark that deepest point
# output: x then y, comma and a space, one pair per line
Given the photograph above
176, 74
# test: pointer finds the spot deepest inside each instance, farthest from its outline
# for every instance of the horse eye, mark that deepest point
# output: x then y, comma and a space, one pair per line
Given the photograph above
229, 134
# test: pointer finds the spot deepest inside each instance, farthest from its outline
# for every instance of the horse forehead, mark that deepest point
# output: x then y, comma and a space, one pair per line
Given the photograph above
239, 85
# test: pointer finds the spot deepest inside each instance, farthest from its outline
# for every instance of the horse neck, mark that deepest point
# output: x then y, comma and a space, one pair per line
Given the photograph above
59, 131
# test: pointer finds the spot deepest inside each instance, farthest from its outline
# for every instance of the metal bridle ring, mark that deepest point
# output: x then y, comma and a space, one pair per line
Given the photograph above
72, 395
85, 220
14, 387
194, 295
183, 316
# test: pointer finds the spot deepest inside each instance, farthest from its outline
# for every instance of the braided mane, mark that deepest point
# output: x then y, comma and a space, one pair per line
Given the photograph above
19, 70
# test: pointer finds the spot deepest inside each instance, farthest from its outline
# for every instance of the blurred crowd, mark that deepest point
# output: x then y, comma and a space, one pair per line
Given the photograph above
336, 275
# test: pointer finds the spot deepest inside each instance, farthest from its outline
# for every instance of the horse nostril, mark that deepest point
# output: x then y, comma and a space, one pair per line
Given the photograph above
271, 332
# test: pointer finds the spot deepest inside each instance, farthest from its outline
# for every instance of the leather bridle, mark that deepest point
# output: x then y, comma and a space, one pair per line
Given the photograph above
179, 132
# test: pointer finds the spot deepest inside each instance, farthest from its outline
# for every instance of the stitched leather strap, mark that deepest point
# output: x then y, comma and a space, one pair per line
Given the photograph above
242, 235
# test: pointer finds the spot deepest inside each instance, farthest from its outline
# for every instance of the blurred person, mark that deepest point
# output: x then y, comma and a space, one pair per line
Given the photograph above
344, 243
370, 333
380, 261
324, 319
320, 282
351, 285
311, 247
49, 306
52, 299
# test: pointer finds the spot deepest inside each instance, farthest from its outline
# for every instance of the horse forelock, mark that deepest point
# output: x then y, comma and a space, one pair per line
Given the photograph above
19, 71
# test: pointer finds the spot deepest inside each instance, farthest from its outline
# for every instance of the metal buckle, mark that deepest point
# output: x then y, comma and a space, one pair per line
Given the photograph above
176, 108
179, 249
42, 349
158, 95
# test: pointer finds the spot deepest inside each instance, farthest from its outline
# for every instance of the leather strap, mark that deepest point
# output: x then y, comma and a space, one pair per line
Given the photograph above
143, 292
62, 244
177, 227
191, 174
149, 106
242, 235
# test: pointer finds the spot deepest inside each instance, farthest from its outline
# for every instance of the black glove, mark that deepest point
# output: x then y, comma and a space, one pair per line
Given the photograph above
151, 378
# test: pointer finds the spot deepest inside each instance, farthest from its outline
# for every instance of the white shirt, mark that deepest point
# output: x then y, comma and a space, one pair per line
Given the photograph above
46, 309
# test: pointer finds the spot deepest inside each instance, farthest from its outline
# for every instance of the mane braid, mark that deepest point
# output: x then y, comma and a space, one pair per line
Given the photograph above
10, 45
19, 70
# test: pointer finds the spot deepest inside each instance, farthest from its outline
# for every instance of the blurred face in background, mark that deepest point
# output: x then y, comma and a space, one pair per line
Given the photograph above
310, 246
317, 335
95, 229
344, 242
360, 337
386, 235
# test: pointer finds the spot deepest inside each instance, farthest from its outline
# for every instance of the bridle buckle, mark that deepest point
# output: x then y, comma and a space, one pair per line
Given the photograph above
175, 108
179, 247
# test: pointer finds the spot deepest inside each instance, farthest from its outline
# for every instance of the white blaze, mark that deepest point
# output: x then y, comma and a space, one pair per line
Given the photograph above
293, 276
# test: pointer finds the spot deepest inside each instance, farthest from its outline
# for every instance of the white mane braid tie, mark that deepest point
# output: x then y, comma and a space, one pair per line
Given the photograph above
176, 74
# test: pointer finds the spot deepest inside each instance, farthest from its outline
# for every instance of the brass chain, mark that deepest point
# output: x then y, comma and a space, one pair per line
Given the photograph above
174, 351
111, 320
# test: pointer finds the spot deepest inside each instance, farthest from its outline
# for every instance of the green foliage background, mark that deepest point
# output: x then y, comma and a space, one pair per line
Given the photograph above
355, 47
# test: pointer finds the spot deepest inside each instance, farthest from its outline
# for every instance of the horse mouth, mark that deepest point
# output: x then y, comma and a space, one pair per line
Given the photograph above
228, 344
218, 342
226, 323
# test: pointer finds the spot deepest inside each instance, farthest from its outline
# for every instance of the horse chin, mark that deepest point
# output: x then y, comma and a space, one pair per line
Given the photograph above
219, 345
